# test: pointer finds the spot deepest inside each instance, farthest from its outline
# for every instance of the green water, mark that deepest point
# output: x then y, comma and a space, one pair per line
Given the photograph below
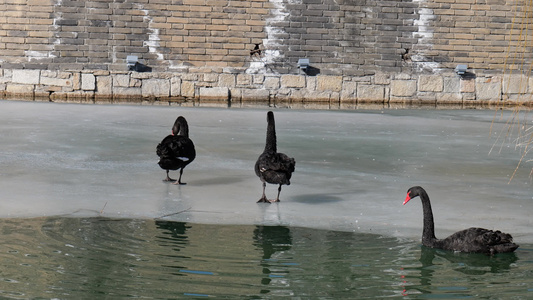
99, 258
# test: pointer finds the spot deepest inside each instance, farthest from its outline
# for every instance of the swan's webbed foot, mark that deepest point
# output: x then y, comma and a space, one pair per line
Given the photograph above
263, 200
168, 179
178, 182
274, 201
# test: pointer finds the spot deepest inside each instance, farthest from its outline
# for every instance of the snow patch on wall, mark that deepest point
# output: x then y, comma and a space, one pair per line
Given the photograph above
424, 34
38, 55
272, 43
153, 37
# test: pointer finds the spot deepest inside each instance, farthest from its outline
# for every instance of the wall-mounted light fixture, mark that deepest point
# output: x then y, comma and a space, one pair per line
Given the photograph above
303, 64
461, 69
131, 62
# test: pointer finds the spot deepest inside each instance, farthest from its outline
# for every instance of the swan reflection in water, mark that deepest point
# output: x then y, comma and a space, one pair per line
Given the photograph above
435, 264
271, 240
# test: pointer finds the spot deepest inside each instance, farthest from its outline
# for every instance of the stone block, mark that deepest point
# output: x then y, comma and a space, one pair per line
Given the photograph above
271, 83
104, 85
244, 79
515, 84
381, 78
226, 80
26, 76
370, 92
430, 83
403, 88
488, 88
468, 86
175, 86
123, 92
53, 81
210, 77
187, 89
329, 83
155, 88
293, 81
214, 93
19, 89
349, 91
452, 84
88, 82
121, 80
255, 95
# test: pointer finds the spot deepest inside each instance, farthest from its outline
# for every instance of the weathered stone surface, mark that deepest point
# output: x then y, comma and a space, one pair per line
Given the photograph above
26, 76
403, 88
244, 79
367, 92
430, 83
20, 89
514, 84
468, 86
53, 81
381, 78
271, 83
175, 86
329, 83
88, 82
104, 85
349, 91
121, 80
126, 92
226, 80
214, 93
187, 89
451, 84
255, 95
488, 88
155, 88
293, 81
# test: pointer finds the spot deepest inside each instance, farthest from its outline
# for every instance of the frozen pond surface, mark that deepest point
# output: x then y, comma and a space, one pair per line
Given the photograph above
353, 168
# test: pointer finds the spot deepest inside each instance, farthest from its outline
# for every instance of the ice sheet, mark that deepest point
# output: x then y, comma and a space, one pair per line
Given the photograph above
353, 168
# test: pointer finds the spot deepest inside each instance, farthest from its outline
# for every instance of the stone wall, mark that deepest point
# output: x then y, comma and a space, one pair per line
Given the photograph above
202, 51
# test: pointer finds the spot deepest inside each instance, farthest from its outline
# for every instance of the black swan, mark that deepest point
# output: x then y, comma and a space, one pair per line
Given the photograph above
176, 151
478, 240
271, 166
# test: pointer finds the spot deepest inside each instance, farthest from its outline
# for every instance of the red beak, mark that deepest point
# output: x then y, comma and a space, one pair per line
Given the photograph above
407, 199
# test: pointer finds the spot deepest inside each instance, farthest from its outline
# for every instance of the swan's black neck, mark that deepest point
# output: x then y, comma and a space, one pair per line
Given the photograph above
428, 233
181, 127
270, 145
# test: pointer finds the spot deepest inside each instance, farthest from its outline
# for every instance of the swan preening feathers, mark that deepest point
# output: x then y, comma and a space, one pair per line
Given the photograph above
176, 151
271, 166
478, 240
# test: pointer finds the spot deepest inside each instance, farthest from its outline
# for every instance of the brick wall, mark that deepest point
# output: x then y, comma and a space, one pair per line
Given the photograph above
377, 50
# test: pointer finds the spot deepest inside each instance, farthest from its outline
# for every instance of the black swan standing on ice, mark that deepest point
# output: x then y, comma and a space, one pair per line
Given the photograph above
176, 151
271, 166
473, 239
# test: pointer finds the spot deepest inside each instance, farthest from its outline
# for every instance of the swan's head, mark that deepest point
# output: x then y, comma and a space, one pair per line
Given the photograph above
178, 125
412, 193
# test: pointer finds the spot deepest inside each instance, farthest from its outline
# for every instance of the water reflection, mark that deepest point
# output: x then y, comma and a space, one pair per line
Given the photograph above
270, 240
435, 277
97, 258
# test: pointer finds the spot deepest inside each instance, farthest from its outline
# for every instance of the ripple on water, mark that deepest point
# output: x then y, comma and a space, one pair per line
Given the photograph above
99, 257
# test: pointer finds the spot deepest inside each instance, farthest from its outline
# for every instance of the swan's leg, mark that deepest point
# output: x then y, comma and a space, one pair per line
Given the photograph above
168, 179
179, 180
263, 198
277, 198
